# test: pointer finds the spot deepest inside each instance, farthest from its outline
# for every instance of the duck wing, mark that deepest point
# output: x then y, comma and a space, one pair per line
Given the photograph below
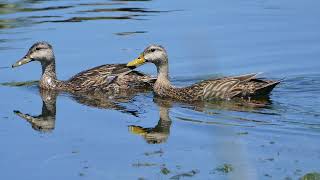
98, 76
245, 86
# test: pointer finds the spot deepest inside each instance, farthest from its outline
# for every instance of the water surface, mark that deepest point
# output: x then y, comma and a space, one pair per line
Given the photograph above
52, 135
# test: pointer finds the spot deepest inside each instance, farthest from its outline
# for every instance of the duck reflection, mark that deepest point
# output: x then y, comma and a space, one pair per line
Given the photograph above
159, 133
45, 122
238, 104
102, 100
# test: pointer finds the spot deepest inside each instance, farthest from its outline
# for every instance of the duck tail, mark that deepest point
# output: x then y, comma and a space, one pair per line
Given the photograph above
266, 89
247, 77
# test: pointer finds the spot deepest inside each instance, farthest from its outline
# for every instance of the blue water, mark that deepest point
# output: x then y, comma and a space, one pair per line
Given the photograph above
204, 39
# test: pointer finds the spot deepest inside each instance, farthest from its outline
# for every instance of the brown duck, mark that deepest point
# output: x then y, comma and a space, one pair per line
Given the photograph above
244, 86
108, 77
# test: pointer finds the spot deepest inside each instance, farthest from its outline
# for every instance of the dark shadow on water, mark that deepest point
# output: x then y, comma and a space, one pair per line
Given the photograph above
102, 4
80, 19
129, 33
44, 9
127, 9
40, 17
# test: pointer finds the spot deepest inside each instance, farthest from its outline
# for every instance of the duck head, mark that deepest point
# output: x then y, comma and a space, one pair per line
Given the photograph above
40, 51
155, 54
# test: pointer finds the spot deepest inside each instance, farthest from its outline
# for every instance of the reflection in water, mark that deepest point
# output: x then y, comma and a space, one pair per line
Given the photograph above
229, 113
102, 4
159, 133
225, 149
45, 122
130, 33
140, 10
6, 8
80, 19
44, 8
13, 23
132, 13
279, 39
16, 84
18, 14
102, 100
24, 14
238, 104
5, 67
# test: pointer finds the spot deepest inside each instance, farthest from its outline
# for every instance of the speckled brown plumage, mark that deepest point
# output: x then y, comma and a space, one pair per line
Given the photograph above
113, 77
245, 86
109, 78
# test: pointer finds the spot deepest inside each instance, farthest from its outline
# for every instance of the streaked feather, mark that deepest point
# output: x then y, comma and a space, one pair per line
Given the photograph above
109, 77
244, 86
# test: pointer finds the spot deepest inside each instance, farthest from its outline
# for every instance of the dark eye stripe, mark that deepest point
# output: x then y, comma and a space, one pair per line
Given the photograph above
39, 48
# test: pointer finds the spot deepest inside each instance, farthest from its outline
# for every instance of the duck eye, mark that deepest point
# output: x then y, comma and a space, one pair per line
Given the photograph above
153, 50
37, 49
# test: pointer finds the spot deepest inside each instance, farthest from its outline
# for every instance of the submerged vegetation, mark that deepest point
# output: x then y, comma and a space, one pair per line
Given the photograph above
225, 168
311, 176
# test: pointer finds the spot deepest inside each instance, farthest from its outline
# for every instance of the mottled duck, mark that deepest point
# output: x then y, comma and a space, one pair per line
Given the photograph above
225, 88
108, 77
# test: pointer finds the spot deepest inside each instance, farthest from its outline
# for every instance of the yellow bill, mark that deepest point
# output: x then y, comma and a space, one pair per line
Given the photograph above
137, 62
137, 130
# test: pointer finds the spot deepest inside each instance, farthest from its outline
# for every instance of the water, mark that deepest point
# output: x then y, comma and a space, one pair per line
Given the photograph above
147, 138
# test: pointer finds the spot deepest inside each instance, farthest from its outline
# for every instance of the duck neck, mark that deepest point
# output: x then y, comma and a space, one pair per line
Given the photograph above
49, 78
49, 98
163, 75
164, 122
164, 113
